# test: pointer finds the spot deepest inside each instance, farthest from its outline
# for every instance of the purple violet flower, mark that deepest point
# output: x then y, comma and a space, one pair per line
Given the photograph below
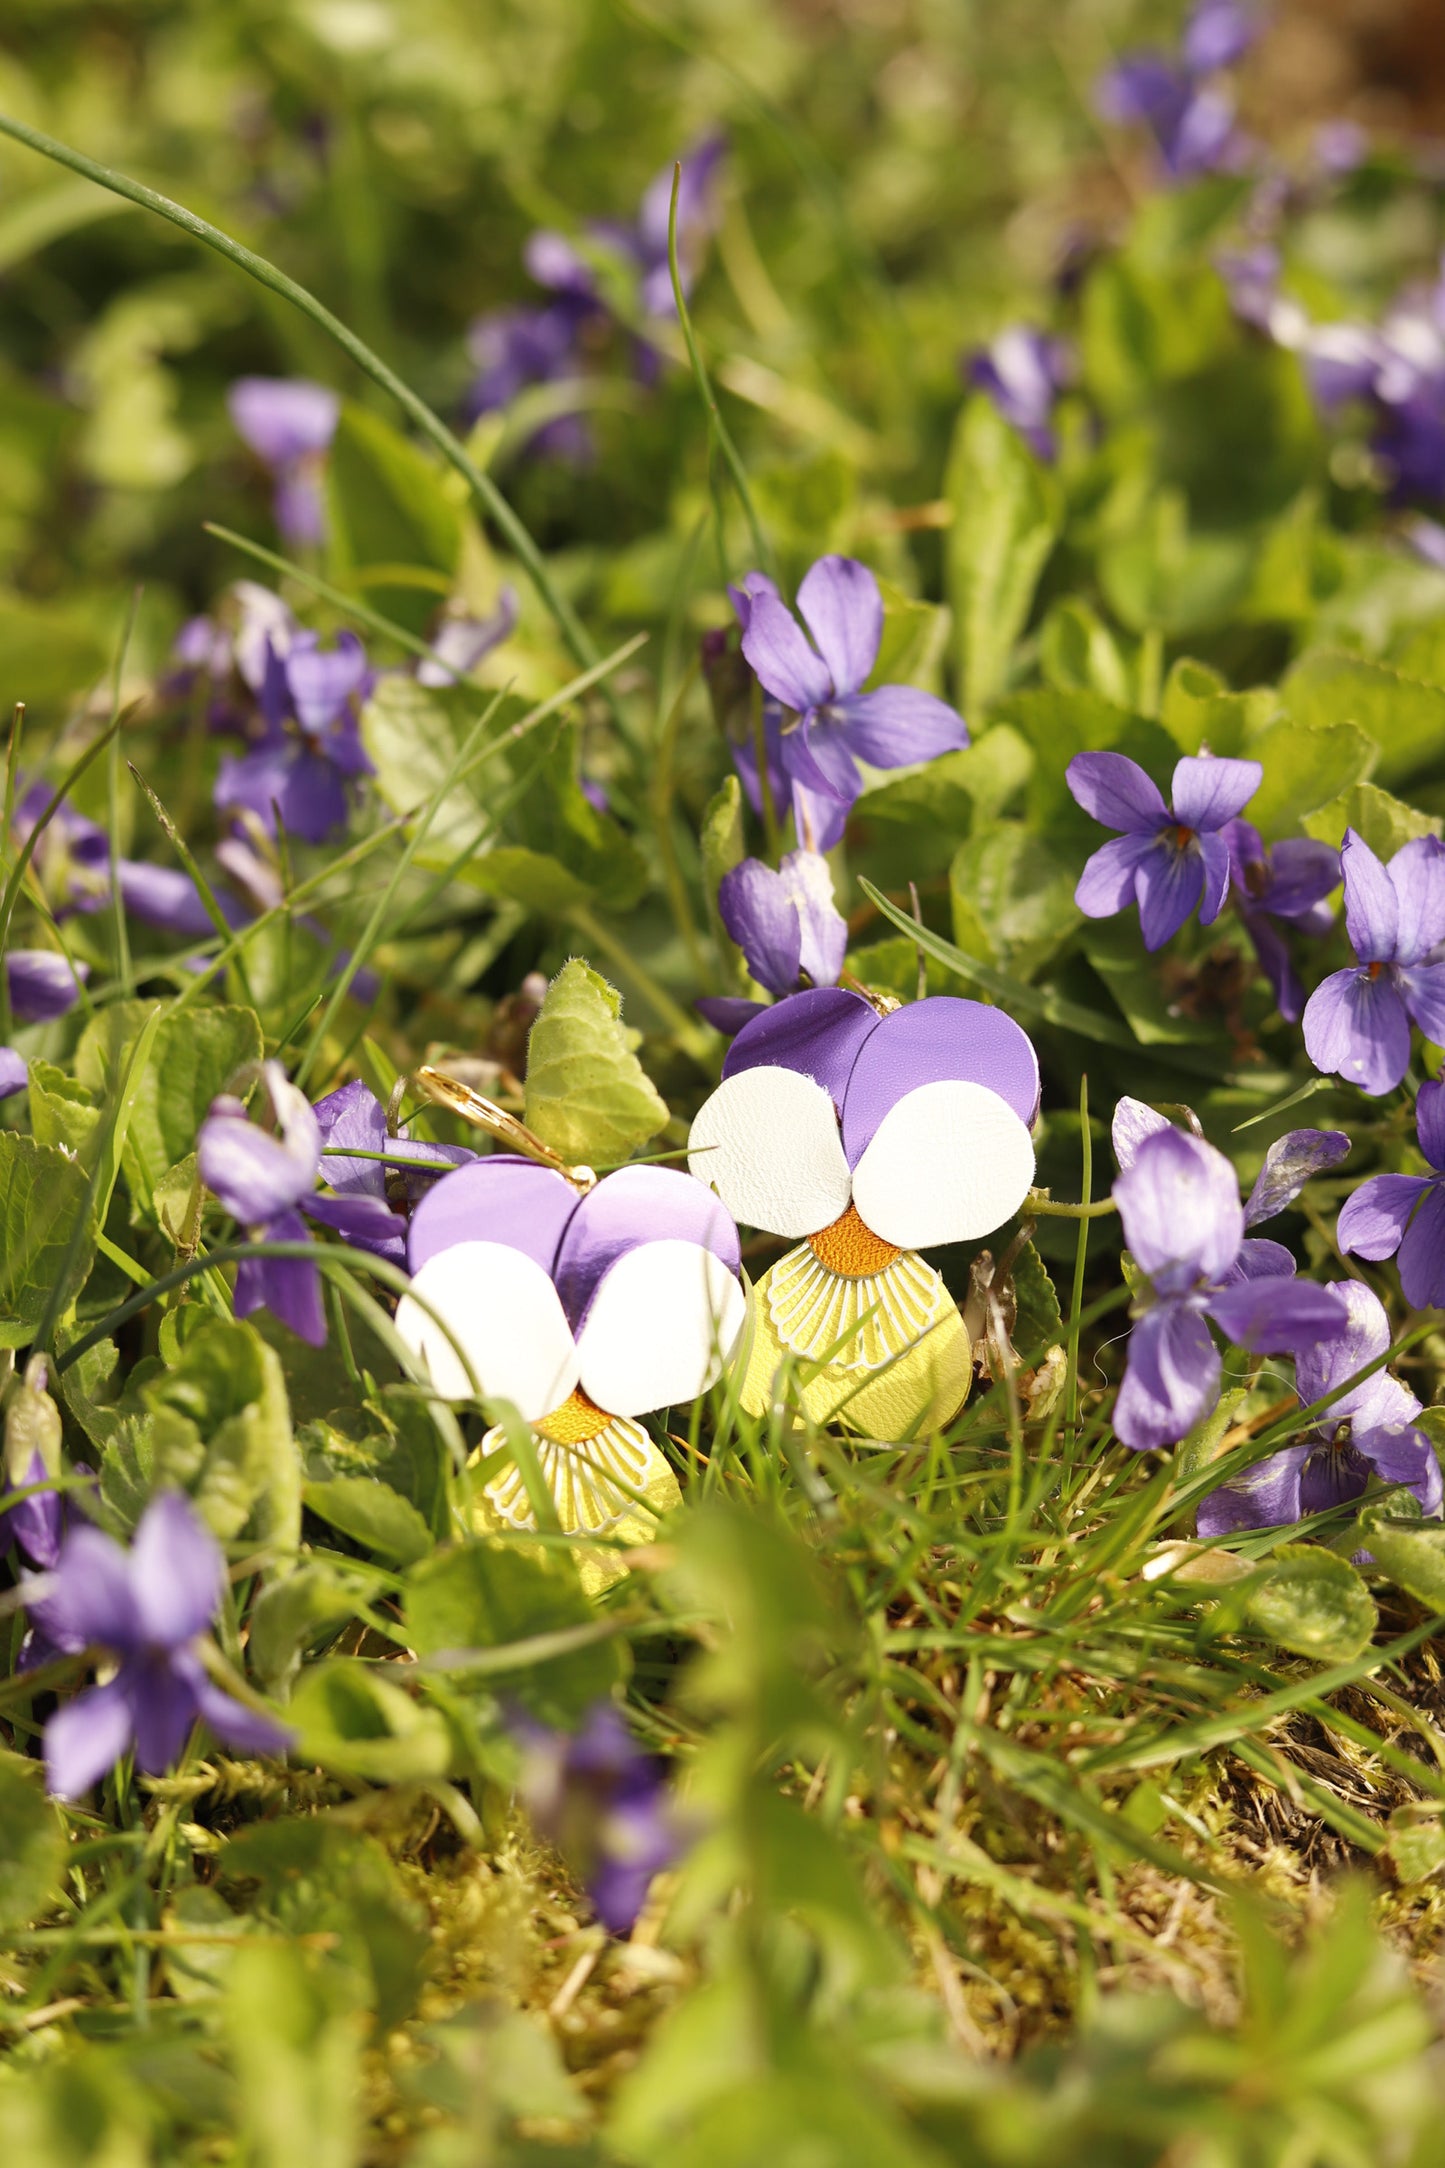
1367, 1435
515, 348
833, 723
1167, 858
148, 1607
459, 642
1290, 882
786, 923
312, 751
1184, 1225
42, 984
14, 1072
289, 423
354, 1117
1023, 372
260, 1178
1191, 119
1403, 1215
604, 1804
1357, 1024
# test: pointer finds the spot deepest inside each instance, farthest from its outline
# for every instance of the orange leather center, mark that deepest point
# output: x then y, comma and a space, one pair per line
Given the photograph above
851, 1249
577, 1420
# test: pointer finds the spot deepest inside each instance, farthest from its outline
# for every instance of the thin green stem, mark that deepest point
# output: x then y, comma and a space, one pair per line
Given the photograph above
1039, 1205
721, 434
431, 426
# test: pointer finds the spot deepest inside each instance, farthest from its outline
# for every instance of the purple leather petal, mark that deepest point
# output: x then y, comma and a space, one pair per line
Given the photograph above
632, 1206
781, 658
1172, 1379
1358, 1028
1179, 1203
818, 1032
1208, 791
1422, 1253
1264, 1496
1372, 1222
289, 1287
1132, 1123
928, 1040
1116, 791
1168, 883
1372, 908
497, 1199
86, 1738
1417, 875
1106, 884
843, 610
176, 1570
1275, 1316
897, 725
1288, 1165
1430, 1122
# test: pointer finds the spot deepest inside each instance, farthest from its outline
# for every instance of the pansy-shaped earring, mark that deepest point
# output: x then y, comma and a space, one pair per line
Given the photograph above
585, 1303
874, 1131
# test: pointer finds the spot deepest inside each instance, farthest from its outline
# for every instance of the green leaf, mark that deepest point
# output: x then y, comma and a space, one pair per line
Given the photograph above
390, 507
1039, 1324
372, 1514
1416, 1842
1404, 717
292, 1611
43, 1200
195, 1056
915, 637
531, 878
1006, 516
1382, 821
349, 1717
485, 1594
32, 1843
1078, 652
1304, 768
297, 2059
1407, 1550
1013, 903
50, 651
1114, 948
221, 1430
62, 1111
587, 1094
1198, 709
1313, 1603
907, 829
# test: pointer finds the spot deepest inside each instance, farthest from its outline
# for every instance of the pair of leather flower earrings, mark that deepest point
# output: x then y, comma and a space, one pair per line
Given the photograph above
863, 1131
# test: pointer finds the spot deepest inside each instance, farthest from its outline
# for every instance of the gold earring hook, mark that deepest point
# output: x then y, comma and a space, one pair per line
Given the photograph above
458, 1098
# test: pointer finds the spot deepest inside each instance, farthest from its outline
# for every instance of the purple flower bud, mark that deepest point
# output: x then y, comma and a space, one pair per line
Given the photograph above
605, 1805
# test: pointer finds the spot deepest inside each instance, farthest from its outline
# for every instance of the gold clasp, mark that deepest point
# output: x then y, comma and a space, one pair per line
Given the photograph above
458, 1098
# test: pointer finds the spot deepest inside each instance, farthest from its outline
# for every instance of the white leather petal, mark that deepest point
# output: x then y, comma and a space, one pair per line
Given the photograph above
661, 1325
505, 1312
767, 1141
950, 1162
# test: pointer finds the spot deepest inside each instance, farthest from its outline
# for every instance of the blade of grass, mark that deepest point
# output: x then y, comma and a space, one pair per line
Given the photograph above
482, 487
